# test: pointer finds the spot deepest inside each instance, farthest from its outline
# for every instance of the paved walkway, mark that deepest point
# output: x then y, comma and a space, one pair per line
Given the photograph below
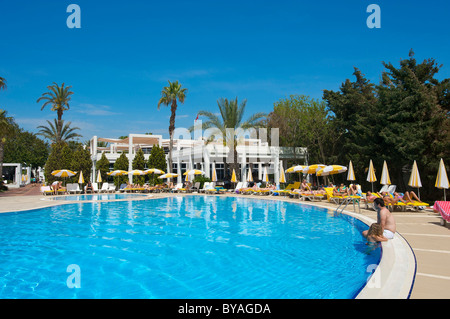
30, 189
429, 240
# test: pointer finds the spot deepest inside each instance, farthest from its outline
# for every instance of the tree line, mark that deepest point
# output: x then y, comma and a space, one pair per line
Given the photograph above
403, 118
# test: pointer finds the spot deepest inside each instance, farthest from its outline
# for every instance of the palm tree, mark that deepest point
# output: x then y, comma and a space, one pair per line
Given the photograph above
231, 117
51, 132
7, 129
2, 83
58, 97
169, 95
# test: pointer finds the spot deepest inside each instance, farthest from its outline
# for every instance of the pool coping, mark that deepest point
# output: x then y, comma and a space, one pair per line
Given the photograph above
393, 278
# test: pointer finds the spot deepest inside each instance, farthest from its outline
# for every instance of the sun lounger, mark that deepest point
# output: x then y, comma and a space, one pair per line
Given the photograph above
177, 188
206, 185
196, 187
263, 192
70, 188
104, 188
296, 185
46, 190
112, 188
443, 208
416, 205
236, 189
312, 197
73, 188
94, 187
332, 198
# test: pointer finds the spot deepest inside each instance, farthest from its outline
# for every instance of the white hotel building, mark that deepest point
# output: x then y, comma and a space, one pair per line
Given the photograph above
191, 153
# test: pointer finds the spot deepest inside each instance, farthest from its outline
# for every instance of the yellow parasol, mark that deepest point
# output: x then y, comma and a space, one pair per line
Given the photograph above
99, 177
385, 179
81, 178
154, 171
295, 169
331, 170
371, 174
312, 169
249, 176
117, 173
136, 172
192, 172
265, 176
168, 175
282, 176
414, 179
214, 175
63, 173
350, 172
233, 177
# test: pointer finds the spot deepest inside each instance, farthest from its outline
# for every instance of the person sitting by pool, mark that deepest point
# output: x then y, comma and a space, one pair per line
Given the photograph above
61, 188
54, 187
352, 190
89, 187
254, 187
270, 186
339, 191
187, 185
398, 198
305, 187
320, 191
370, 197
375, 234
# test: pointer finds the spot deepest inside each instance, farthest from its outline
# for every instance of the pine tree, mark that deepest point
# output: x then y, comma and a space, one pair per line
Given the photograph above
121, 164
413, 119
82, 162
103, 166
60, 158
157, 159
139, 163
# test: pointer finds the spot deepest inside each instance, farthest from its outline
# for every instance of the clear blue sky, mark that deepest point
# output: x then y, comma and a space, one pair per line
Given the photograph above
125, 52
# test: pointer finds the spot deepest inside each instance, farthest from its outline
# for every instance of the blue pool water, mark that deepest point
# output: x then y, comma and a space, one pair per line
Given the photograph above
183, 247
88, 197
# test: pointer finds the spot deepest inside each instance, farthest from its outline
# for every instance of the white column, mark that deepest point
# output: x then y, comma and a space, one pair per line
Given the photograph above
130, 157
243, 164
179, 178
260, 171
94, 157
206, 162
277, 167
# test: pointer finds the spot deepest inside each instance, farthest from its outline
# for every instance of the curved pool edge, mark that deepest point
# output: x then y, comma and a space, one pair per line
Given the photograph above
396, 271
394, 276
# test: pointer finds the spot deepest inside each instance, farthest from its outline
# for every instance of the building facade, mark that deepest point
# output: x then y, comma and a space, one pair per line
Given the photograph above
252, 154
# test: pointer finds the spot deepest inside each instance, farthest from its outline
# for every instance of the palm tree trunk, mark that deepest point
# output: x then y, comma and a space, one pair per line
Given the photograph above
235, 164
59, 128
173, 109
1, 159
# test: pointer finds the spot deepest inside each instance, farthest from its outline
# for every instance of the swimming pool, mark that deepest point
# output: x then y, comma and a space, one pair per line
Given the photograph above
183, 247
88, 197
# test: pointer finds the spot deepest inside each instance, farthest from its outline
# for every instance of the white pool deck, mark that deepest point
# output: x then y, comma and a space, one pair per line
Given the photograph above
415, 264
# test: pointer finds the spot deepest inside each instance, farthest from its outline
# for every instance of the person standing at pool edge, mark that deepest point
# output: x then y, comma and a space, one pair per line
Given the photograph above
384, 218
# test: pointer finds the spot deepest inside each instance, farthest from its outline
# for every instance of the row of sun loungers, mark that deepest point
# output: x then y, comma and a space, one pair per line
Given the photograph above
242, 188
